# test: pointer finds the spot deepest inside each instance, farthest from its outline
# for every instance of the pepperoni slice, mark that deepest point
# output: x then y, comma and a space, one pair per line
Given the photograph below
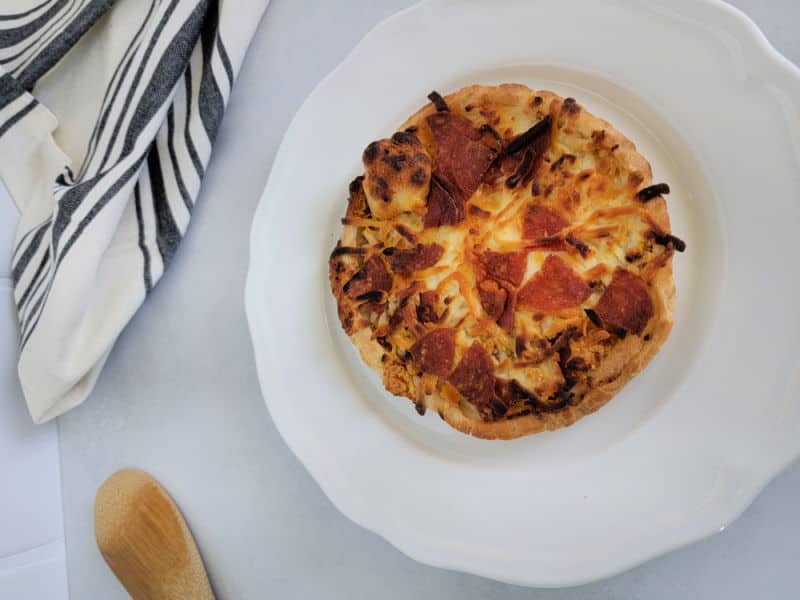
504, 266
626, 303
498, 300
506, 320
463, 152
473, 377
417, 258
433, 353
541, 222
493, 298
444, 206
372, 278
426, 309
554, 287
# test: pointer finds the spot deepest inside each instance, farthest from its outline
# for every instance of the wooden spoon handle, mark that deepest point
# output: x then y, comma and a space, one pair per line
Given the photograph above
144, 539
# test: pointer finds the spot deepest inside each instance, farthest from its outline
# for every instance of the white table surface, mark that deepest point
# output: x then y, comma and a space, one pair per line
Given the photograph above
32, 561
179, 395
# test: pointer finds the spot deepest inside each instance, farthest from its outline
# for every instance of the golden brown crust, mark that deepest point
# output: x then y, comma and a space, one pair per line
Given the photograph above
599, 202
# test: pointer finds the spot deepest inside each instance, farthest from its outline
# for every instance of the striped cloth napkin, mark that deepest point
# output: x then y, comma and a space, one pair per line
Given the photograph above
108, 114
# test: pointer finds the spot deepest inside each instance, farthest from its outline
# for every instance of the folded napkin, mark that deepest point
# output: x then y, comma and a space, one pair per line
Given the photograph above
108, 113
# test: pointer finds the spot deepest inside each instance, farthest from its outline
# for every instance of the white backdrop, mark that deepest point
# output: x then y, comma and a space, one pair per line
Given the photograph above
32, 563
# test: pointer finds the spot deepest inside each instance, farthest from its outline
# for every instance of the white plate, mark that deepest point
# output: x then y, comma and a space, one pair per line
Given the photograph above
689, 443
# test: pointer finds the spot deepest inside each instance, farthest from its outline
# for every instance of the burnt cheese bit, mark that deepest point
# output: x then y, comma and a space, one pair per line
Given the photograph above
370, 153
379, 188
581, 246
514, 393
486, 128
632, 256
562, 398
577, 363
405, 232
525, 139
562, 159
419, 177
653, 191
357, 206
520, 343
397, 161
437, 100
355, 185
521, 413
406, 137
670, 241
341, 250
570, 107
522, 170
373, 296
593, 317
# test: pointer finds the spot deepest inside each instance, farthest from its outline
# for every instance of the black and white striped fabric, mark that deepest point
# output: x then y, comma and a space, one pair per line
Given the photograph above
108, 113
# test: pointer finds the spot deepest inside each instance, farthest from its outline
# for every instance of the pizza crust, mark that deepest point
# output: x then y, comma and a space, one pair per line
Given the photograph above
621, 362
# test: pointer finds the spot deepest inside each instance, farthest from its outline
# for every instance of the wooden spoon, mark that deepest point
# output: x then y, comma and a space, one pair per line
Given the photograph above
144, 539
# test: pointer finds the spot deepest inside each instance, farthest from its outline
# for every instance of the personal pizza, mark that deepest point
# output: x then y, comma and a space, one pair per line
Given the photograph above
505, 261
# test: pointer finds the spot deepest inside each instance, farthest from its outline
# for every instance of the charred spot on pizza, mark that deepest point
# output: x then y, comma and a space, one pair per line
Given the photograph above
632, 256
523, 169
652, 191
593, 317
405, 232
570, 107
571, 158
669, 240
581, 246
342, 250
406, 137
536, 132
419, 177
438, 102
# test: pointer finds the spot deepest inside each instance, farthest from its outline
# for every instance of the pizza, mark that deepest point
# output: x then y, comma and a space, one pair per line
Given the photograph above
505, 261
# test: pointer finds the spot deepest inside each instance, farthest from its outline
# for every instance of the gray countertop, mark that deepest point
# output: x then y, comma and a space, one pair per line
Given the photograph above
191, 413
